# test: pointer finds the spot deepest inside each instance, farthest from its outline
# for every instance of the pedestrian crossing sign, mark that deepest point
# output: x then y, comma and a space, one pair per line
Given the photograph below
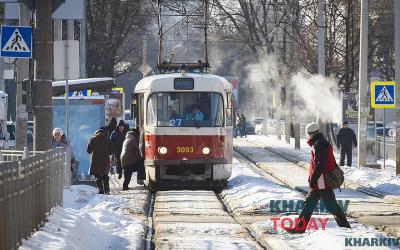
383, 95
16, 41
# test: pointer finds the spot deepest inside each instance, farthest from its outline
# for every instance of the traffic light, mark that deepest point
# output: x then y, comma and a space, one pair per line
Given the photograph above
27, 96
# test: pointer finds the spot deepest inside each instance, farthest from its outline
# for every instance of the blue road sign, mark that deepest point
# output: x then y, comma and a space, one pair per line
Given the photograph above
383, 94
16, 41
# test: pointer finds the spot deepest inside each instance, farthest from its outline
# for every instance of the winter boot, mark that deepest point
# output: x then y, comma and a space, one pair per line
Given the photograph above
99, 184
119, 171
106, 182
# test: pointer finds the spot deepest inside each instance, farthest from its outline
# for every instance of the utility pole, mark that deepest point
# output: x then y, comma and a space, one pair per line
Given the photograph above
363, 86
82, 44
285, 99
278, 109
321, 53
21, 121
397, 72
43, 75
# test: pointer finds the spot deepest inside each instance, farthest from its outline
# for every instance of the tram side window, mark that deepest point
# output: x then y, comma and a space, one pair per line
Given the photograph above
151, 118
218, 110
229, 109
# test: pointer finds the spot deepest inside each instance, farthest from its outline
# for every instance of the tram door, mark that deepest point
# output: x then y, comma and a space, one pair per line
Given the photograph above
138, 109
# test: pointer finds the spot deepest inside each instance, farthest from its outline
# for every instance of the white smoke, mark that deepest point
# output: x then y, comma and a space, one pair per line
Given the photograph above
266, 69
318, 94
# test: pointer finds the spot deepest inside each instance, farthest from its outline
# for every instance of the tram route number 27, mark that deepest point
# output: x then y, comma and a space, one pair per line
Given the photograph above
175, 122
181, 150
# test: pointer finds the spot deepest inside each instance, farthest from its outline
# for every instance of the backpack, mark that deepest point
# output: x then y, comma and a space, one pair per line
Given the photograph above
335, 177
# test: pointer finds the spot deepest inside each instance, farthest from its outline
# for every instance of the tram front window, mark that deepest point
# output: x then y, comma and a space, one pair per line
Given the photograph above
185, 109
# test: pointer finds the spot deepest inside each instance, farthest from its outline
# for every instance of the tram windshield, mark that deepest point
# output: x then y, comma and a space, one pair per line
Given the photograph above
185, 109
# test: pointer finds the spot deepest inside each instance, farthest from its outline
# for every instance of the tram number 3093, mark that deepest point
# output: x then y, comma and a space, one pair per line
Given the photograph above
182, 150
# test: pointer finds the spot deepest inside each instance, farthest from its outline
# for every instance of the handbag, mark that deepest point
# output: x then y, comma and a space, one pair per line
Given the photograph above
335, 177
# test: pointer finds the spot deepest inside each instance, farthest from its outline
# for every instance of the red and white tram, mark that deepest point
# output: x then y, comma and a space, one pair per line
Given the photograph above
187, 122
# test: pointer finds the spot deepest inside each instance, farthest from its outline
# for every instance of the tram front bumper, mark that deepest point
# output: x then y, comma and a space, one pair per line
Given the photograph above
196, 170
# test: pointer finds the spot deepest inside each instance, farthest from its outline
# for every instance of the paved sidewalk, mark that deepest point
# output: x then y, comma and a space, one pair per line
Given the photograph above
380, 213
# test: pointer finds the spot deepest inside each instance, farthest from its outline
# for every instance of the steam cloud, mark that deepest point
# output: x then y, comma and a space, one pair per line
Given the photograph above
316, 96
316, 92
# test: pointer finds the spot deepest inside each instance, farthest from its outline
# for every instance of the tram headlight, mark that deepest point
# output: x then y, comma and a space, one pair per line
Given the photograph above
162, 150
206, 150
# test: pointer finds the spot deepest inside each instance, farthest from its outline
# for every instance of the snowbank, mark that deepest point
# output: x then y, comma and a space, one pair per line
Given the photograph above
89, 221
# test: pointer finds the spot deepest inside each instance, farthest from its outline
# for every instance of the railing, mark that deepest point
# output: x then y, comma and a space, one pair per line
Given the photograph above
390, 147
16, 155
29, 189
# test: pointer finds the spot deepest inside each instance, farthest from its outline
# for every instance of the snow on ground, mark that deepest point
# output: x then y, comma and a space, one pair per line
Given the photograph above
332, 238
89, 221
383, 180
247, 191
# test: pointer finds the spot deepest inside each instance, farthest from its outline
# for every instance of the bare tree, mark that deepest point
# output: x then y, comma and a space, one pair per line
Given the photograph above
111, 28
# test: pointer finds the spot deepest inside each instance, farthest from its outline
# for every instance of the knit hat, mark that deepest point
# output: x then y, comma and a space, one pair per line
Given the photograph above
312, 128
58, 130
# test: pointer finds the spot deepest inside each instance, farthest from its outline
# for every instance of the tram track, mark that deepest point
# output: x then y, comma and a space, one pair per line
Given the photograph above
157, 217
148, 243
276, 179
264, 244
261, 242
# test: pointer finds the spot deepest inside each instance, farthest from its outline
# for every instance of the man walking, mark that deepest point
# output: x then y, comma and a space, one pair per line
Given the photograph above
322, 161
238, 125
346, 139
118, 137
242, 125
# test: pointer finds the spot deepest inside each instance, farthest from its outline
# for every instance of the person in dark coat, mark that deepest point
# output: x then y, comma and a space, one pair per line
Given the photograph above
118, 137
100, 147
242, 125
141, 173
346, 139
130, 156
322, 161
111, 125
238, 124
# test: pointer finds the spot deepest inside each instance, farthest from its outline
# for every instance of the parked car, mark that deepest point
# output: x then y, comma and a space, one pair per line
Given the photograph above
258, 125
250, 128
389, 126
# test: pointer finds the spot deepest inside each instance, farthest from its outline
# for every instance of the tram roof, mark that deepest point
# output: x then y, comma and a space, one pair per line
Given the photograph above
165, 82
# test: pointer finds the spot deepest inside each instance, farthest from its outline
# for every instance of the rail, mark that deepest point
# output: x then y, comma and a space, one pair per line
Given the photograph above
17, 155
29, 190
390, 147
